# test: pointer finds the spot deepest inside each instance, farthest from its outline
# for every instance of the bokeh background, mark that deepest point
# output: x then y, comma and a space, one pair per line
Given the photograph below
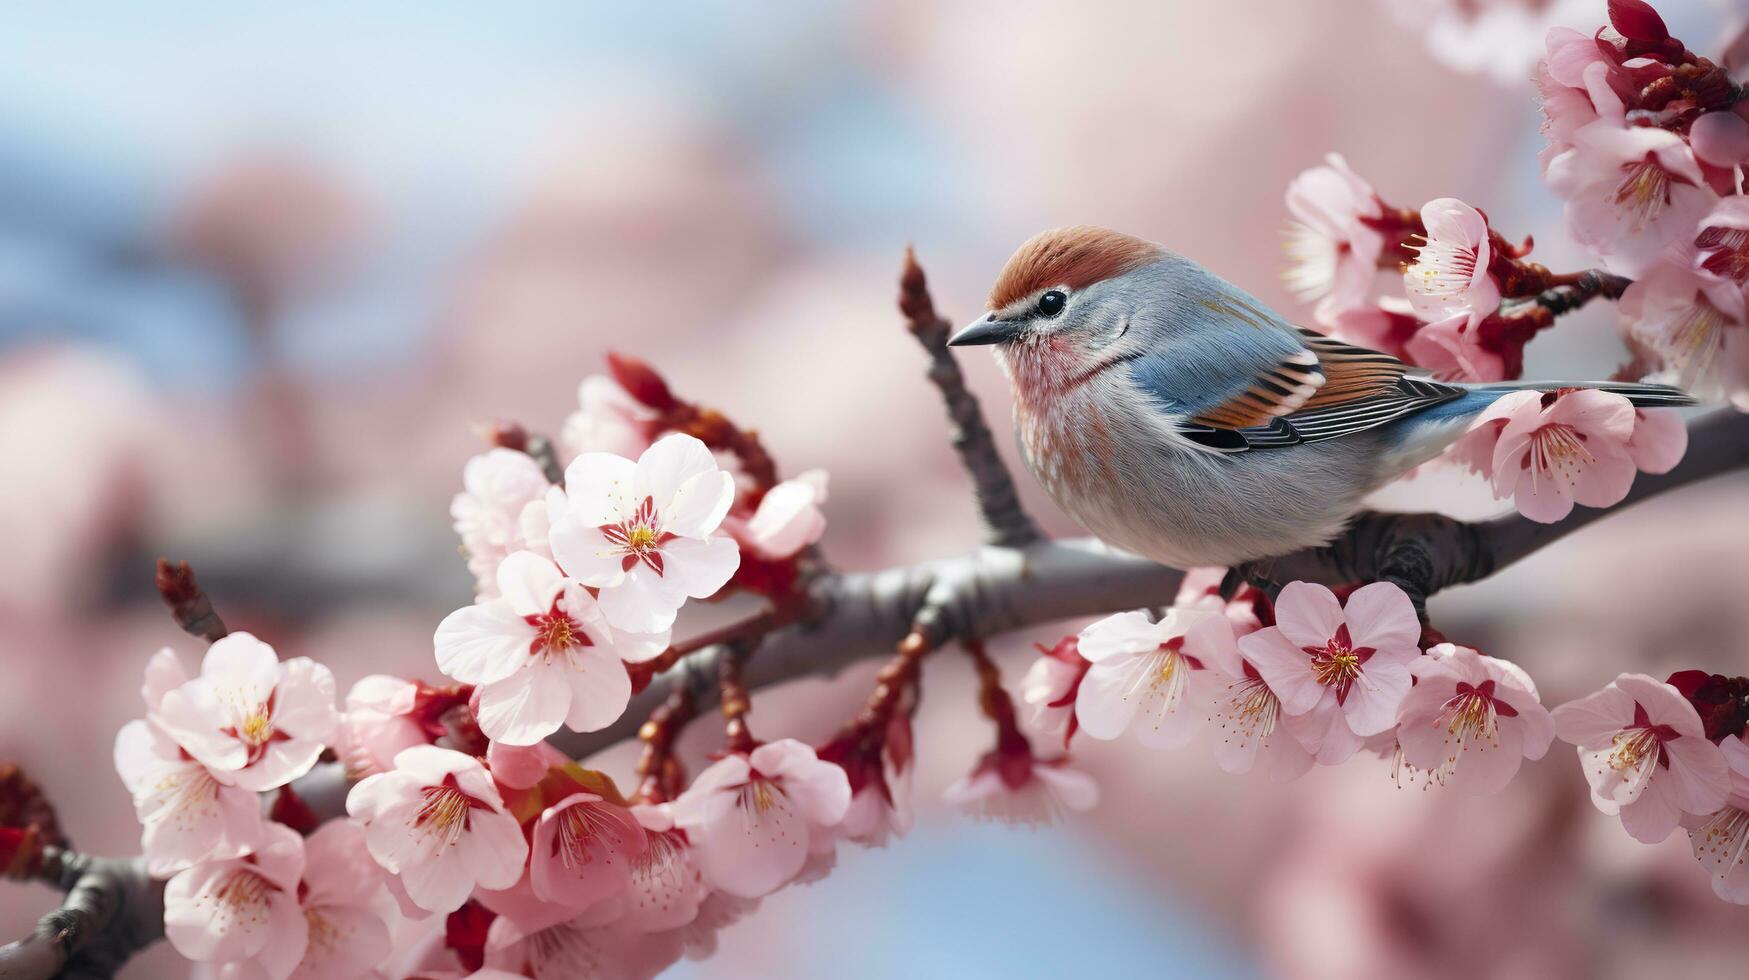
266, 269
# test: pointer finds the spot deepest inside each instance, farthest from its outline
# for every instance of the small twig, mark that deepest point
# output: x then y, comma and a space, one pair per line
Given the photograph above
661, 776
751, 628
1005, 521
737, 702
190, 606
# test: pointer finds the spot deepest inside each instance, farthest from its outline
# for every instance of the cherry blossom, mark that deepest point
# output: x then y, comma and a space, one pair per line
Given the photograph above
1450, 275
787, 519
667, 885
1334, 251
1631, 191
596, 943
642, 532
1255, 733
1721, 839
1348, 666
341, 895
879, 771
186, 814
1453, 349
608, 420
542, 654
1695, 323
1201, 589
438, 822
1561, 448
1150, 677
1050, 686
584, 849
497, 486
1564, 80
1012, 786
377, 724
1470, 720
1660, 440
243, 908
255, 722
750, 816
1645, 754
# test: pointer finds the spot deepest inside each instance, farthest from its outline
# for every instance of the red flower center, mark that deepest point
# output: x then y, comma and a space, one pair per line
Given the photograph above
640, 537
1338, 662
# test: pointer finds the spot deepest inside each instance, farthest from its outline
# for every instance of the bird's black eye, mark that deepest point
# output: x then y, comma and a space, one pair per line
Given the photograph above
1052, 303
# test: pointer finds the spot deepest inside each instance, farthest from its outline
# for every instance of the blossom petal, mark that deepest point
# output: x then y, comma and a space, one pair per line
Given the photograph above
600, 689
482, 643
527, 706
1381, 616
1308, 614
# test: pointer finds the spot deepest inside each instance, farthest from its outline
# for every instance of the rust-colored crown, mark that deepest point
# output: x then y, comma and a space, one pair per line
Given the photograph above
1076, 257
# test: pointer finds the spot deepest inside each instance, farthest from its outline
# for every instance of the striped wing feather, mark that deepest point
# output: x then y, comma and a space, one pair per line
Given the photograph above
1361, 389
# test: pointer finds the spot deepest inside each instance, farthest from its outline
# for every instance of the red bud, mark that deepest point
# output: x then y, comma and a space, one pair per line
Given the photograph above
641, 382
1637, 21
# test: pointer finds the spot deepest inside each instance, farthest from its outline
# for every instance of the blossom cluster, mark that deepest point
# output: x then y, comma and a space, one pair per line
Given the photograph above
1314, 679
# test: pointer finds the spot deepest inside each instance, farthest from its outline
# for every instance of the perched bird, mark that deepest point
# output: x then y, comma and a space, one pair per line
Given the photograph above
1174, 415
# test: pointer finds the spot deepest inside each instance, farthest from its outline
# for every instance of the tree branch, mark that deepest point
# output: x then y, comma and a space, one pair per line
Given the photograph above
1005, 521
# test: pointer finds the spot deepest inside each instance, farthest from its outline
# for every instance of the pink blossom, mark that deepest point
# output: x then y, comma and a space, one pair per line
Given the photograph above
341, 894
1452, 349
242, 908
880, 800
542, 654
377, 724
1470, 720
584, 849
438, 823
1201, 589
1659, 441
1050, 686
255, 722
1564, 80
596, 943
1720, 138
1450, 275
186, 814
1255, 733
1349, 665
1474, 450
788, 518
1333, 250
1694, 322
609, 420
667, 885
642, 532
1150, 677
1645, 754
1014, 787
522, 766
1721, 840
750, 816
1632, 191
1561, 448
497, 486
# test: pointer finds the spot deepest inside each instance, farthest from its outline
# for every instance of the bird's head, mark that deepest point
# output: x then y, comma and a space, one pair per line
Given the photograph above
1062, 307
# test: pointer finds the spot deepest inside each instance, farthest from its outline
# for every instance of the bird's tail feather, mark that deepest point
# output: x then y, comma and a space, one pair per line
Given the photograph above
1641, 395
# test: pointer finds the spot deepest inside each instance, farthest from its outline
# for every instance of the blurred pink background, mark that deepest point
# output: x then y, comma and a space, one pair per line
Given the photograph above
264, 273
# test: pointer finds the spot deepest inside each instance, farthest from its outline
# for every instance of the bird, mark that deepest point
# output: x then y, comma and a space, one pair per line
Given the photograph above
1176, 416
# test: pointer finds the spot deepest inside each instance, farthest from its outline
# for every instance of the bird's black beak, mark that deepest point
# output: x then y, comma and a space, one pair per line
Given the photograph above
989, 330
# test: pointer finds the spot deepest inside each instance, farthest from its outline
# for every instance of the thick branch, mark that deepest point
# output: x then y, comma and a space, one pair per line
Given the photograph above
1005, 521
112, 910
